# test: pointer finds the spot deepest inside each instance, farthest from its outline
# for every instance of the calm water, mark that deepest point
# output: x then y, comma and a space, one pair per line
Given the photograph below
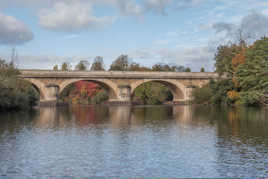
124, 142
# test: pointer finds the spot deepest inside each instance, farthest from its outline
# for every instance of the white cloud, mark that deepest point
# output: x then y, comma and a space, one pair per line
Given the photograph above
188, 3
130, 7
13, 31
194, 57
252, 27
158, 6
71, 16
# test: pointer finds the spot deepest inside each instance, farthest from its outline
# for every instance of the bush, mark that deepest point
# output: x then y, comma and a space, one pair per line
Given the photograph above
203, 95
17, 95
152, 93
99, 97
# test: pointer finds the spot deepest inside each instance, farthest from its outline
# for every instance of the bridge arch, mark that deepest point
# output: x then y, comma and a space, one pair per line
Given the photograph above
178, 89
108, 84
39, 86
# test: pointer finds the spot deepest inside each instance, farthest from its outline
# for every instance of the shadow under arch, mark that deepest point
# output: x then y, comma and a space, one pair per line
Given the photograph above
177, 89
38, 86
107, 84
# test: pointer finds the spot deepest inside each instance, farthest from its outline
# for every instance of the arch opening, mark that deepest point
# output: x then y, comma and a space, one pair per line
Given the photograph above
39, 92
155, 92
86, 92
37, 86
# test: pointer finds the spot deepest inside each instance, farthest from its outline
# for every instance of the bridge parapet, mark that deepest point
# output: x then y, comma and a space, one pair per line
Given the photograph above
118, 74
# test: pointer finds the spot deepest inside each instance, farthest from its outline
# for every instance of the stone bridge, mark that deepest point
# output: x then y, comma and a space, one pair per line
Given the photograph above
120, 84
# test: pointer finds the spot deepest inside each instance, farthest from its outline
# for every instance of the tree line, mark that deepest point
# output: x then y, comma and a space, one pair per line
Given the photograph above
243, 71
122, 63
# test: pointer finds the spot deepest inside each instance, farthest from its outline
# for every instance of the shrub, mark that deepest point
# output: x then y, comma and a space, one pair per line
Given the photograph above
203, 95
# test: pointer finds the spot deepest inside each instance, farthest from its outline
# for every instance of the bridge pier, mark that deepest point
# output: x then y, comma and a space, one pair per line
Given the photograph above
51, 93
124, 95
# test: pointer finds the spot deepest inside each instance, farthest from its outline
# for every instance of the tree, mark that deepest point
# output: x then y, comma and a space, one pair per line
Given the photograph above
7, 70
14, 92
188, 69
158, 67
163, 67
83, 65
202, 69
55, 68
65, 66
98, 64
223, 58
136, 67
252, 74
180, 69
120, 64
152, 93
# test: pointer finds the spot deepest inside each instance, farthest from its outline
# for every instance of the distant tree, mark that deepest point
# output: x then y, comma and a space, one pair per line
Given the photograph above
83, 65
202, 69
8, 70
162, 67
120, 64
188, 69
98, 64
55, 68
136, 67
168, 67
65, 66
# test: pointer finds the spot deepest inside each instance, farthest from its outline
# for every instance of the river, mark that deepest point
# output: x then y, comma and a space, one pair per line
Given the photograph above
134, 142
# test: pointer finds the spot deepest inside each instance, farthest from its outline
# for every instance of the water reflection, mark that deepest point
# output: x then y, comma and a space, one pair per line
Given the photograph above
136, 142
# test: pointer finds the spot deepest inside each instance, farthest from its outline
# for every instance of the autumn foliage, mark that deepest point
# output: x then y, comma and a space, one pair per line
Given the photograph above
86, 89
239, 59
84, 92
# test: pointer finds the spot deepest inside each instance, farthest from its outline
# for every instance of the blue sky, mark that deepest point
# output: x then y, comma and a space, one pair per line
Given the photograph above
184, 32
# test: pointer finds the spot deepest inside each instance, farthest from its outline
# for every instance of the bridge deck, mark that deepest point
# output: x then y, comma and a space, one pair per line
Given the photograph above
116, 74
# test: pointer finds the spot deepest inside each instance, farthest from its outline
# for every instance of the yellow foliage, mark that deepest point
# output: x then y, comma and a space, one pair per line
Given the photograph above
233, 95
236, 83
83, 91
239, 59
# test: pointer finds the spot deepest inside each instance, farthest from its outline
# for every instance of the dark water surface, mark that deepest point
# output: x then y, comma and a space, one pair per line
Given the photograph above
134, 142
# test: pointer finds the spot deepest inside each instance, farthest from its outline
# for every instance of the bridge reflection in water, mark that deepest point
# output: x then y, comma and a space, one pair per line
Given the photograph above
135, 142
115, 116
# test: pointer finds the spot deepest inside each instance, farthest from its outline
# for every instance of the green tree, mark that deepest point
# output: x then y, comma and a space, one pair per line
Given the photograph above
65, 66
15, 94
203, 95
83, 65
100, 97
55, 68
120, 64
152, 93
7, 70
252, 76
188, 69
98, 64
202, 69
223, 58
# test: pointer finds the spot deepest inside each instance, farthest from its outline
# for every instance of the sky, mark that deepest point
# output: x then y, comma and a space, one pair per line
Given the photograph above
181, 32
